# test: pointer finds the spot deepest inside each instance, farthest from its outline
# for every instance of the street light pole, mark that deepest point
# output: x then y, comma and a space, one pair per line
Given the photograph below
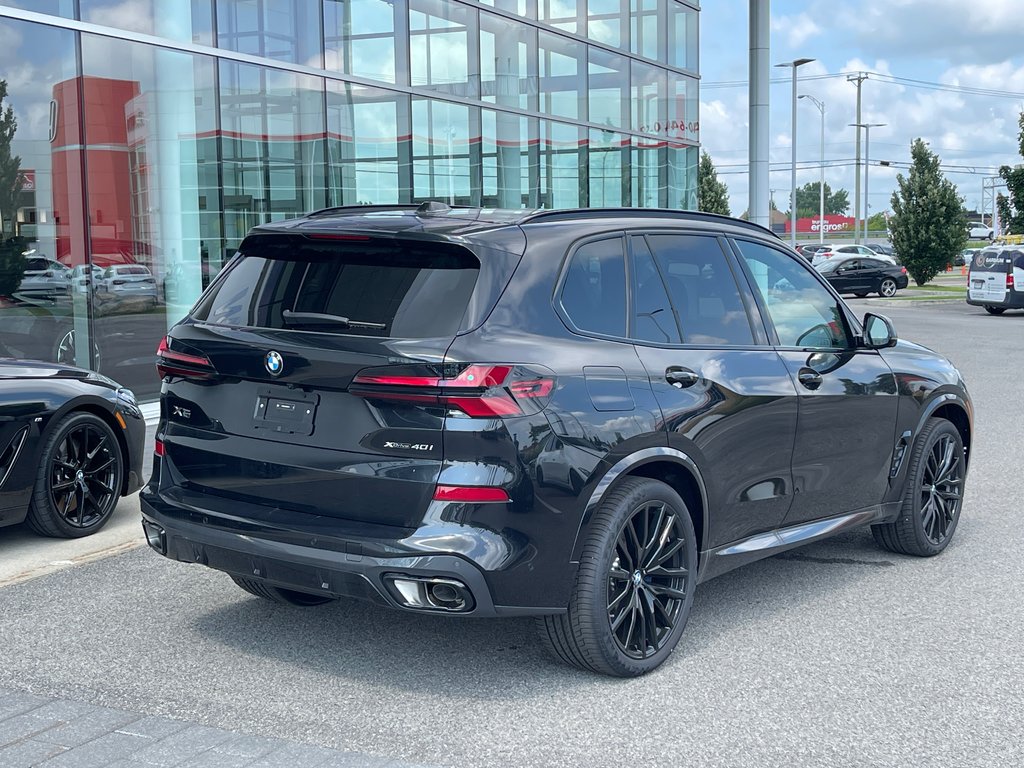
794, 65
821, 183
867, 165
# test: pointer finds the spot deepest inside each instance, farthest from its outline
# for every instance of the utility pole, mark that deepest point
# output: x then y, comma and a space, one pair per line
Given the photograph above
760, 42
794, 65
821, 183
858, 79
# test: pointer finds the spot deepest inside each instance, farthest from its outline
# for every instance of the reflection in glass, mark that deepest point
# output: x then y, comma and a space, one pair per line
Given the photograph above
683, 34
608, 151
359, 37
508, 62
649, 173
440, 36
682, 121
648, 98
561, 76
644, 27
609, 88
43, 307
287, 30
562, 165
153, 194
606, 22
510, 158
563, 14
65, 8
682, 176
189, 21
367, 145
441, 152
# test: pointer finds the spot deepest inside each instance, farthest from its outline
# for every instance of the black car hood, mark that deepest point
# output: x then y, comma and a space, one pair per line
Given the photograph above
11, 368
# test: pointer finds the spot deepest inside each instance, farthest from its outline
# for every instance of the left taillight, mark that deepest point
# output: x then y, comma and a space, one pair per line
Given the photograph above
481, 390
174, 363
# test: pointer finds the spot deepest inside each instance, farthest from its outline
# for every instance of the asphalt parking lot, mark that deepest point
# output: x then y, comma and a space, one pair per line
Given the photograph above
835, 654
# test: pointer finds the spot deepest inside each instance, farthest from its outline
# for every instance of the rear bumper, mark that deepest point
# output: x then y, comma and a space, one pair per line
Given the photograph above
326, 565
1013, 300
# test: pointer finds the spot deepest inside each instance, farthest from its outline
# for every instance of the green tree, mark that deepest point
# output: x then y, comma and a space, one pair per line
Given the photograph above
11, 182
808, 200
928, 222
712, 194
1011, 207
877, 223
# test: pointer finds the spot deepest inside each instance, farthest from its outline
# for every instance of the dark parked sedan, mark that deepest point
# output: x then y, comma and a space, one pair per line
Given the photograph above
70, 447
863, 276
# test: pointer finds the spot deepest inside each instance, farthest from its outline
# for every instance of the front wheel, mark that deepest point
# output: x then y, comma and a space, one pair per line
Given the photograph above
932, 496
887, 289
995, 310
635, 583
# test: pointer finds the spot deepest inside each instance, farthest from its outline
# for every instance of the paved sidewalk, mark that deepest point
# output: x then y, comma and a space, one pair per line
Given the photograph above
59, 733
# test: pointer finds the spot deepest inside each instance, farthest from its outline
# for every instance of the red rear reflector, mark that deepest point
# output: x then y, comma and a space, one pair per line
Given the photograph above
903, 270
469, 494
158, 447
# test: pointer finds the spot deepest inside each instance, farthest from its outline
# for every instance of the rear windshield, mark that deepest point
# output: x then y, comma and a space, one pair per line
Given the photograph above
350, 288
990, 260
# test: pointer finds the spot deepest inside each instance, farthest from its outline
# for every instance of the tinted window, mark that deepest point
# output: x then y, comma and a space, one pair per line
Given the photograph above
401, 291
804, 313
594, 293
653, 317
875, 264
703, 289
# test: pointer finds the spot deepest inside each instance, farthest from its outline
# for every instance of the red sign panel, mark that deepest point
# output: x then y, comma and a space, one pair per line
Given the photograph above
833, 224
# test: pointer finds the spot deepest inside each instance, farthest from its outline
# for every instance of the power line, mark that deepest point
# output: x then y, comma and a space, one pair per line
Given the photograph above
910, 82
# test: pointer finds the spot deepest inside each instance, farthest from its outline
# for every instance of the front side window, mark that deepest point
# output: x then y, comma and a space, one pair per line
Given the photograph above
802, 310
594, 292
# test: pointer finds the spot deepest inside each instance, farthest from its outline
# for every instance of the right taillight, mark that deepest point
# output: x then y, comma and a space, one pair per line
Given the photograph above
482, 390
174, 363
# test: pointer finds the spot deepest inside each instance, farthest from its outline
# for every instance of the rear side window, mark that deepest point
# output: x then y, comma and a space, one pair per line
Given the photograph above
407, 290
594, 292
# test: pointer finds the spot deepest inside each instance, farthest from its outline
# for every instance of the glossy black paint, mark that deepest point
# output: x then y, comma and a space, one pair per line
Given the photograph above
34, 397
864, 275
763, 462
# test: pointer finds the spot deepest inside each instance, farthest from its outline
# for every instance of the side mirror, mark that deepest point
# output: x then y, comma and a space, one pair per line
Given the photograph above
879, 332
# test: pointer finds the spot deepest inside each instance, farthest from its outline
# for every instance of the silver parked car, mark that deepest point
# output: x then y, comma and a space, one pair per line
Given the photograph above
127, 281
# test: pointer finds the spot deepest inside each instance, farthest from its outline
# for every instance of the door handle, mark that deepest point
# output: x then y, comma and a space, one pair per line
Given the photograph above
680, 378
809, 378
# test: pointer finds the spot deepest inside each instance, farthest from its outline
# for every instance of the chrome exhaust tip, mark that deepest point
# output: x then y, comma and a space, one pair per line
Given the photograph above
430, 593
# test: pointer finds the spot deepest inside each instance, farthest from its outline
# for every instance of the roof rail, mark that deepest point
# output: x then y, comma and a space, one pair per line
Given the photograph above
586, 213
430, 207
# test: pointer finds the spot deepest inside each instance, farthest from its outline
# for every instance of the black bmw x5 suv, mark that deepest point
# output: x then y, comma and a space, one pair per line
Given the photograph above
576, 415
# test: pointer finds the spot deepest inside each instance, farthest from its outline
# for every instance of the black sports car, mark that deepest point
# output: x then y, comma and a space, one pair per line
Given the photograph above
863, 276
70, 447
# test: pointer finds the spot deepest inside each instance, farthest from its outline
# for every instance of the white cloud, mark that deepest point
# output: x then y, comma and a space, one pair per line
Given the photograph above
798, 29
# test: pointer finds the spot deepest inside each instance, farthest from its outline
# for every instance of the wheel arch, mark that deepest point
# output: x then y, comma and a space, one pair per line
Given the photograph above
953, 411
668, 465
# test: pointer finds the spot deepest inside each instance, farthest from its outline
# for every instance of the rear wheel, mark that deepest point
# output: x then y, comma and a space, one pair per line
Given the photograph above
933, 494
279, 594
635, 584
888, 288
79, 479
995, 310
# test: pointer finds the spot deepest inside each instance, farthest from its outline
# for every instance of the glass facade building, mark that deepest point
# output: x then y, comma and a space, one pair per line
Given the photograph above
145, 137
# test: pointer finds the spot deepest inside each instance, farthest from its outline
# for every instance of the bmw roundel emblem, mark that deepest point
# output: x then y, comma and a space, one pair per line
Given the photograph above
274, 363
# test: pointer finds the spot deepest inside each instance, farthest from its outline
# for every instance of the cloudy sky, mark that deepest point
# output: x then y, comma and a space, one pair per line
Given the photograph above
973, 51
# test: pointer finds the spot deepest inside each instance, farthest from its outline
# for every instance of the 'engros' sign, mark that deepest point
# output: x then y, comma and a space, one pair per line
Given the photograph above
831, 223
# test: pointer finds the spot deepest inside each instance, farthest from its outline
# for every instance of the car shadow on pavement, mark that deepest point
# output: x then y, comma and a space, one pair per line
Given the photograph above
492, 658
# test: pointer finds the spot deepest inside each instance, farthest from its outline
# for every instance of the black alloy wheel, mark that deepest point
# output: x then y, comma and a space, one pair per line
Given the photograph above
995, 310
635, 583
79, 480
933, 494
888, 288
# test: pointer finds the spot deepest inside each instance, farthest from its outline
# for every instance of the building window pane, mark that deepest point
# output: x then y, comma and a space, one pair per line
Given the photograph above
287, 30
609, 88
510, 172
65, 8
189, 21
508, 62
608, 152
524, 8
150, 127
440, 36
682, 36
563, 14
648, 98
682, 176
682, 121
645, 27
562, 88
272, 146
649, 173
367, 143
562, 164
441, 152
606, 22
359, 37
43, 255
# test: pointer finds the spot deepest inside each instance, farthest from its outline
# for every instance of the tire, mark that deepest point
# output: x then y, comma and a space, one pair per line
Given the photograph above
887, 289
926, 522
79, 480
995, 310
584, 636
860, 295
279, 594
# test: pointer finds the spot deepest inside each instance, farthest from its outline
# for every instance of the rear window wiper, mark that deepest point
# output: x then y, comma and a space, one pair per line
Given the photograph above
320, 318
